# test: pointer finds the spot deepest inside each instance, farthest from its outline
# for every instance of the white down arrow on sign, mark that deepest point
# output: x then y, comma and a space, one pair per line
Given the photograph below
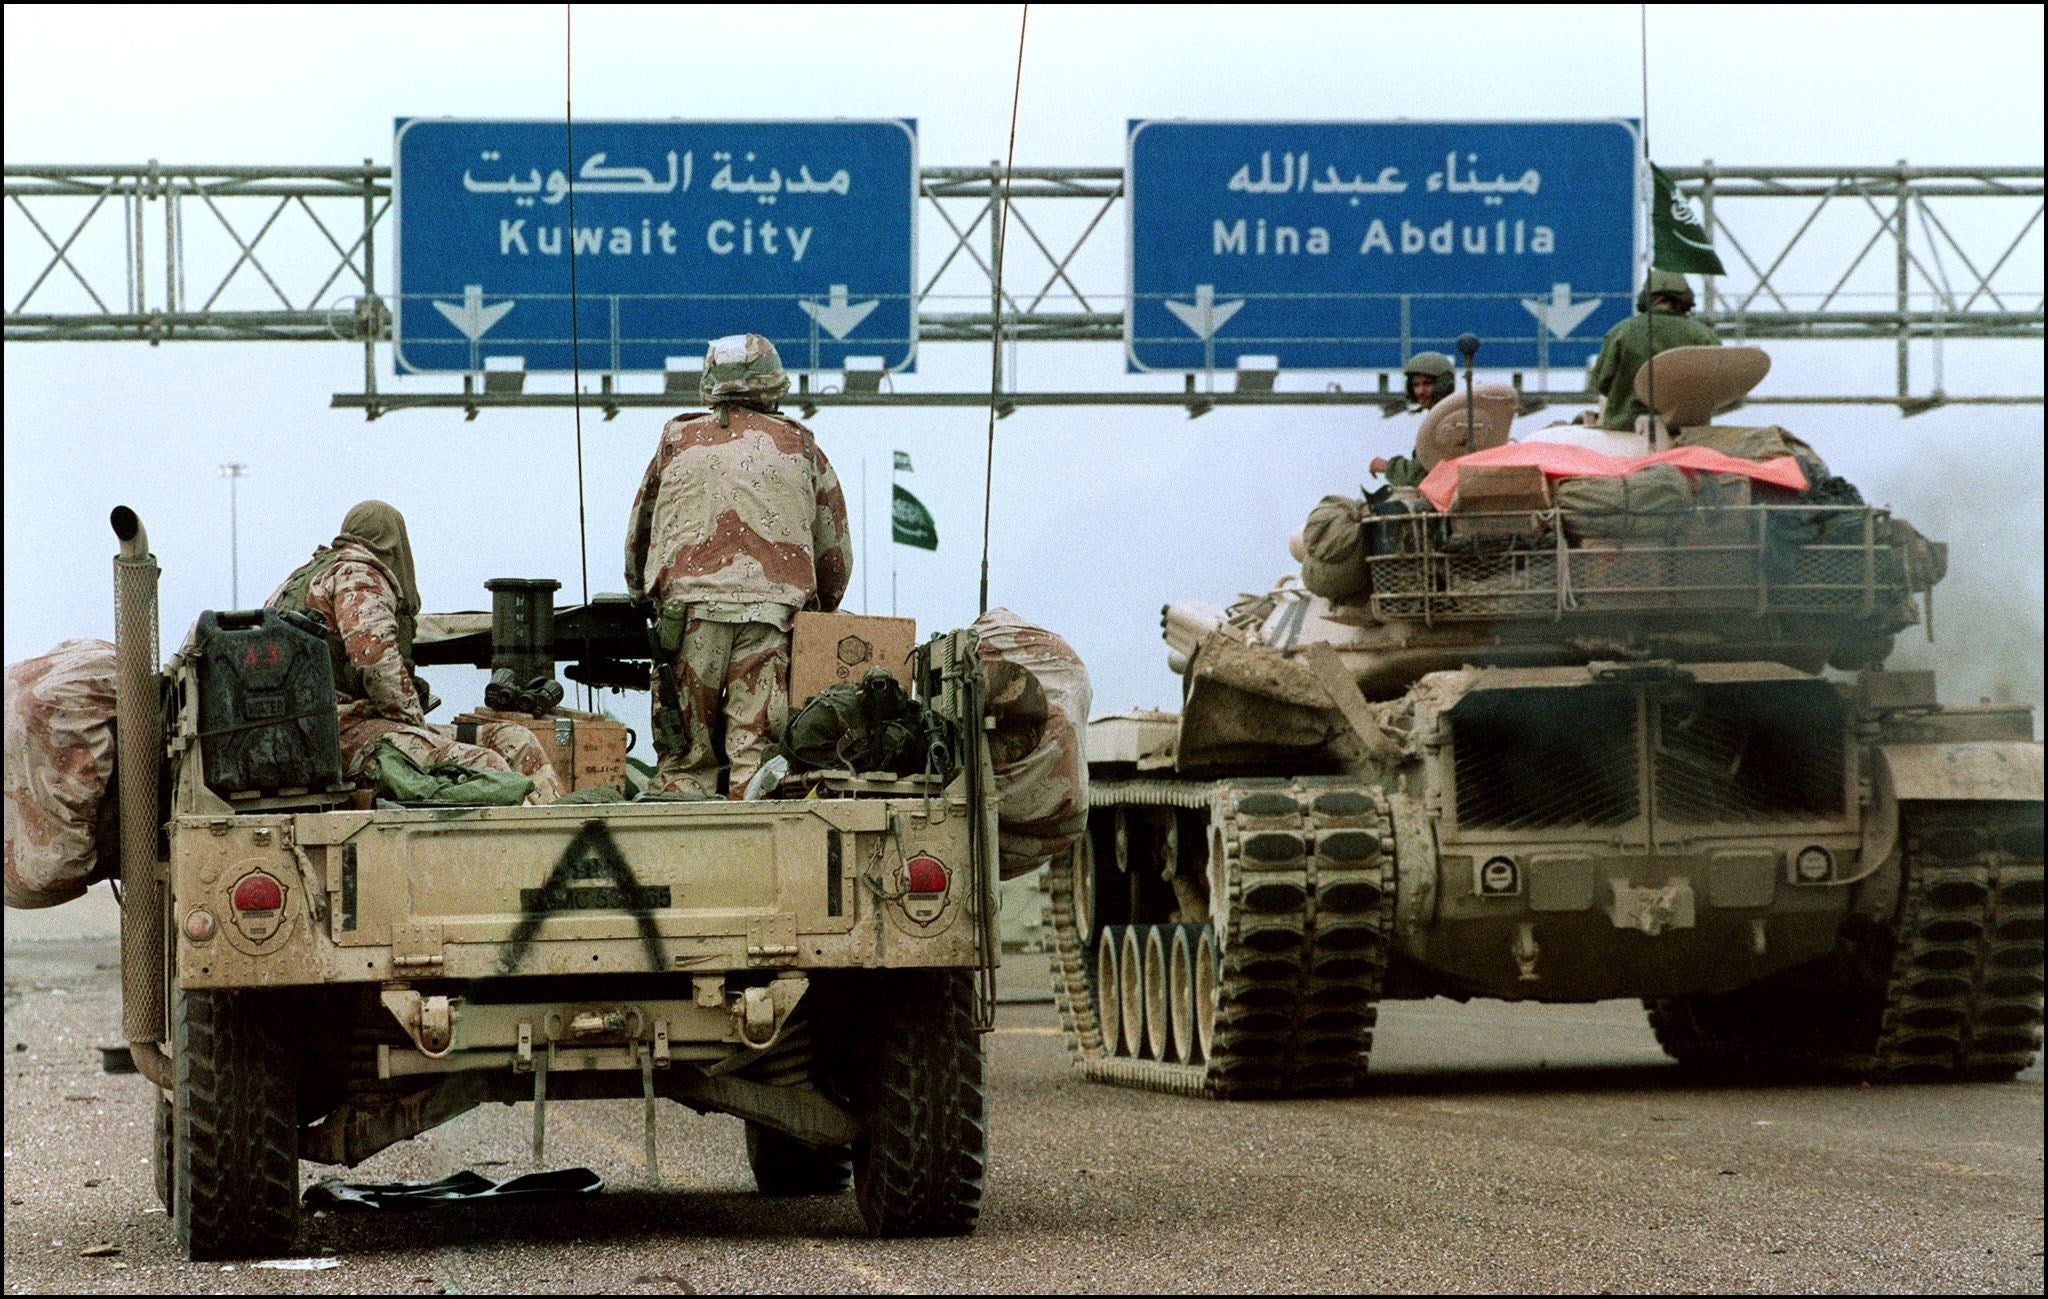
1561, 315
836, 316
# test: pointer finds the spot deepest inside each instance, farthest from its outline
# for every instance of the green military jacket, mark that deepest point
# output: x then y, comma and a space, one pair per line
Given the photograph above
1624, 350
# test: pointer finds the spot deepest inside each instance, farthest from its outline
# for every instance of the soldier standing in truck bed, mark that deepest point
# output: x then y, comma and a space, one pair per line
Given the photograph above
739, 523
363, 586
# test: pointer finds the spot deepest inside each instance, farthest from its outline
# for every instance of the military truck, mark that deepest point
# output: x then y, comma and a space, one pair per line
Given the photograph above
1526, 762
306, 977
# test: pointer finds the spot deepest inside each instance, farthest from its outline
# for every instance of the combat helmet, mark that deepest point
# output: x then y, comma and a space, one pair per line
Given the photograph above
1665, 284
743, 367
1433, 364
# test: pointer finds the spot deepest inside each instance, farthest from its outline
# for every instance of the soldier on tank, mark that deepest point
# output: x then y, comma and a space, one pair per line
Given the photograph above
1662, 322
739, 523
1430, 377
362, 585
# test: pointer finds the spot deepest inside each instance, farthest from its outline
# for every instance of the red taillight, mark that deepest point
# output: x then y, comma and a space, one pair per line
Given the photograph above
258, 892
926, 875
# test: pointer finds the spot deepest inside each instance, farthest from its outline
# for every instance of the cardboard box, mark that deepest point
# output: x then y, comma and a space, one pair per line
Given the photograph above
828, 648
586, 750
1518, 490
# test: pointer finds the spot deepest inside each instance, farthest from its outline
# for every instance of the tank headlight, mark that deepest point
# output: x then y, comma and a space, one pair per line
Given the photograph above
1813, 865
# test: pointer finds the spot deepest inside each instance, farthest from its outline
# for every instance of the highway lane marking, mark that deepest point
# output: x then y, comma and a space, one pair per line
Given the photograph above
1027, 1030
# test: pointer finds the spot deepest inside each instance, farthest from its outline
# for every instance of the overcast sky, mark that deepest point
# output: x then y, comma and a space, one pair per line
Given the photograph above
1100, 516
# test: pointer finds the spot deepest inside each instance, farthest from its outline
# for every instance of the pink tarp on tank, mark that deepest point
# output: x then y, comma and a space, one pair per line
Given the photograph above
1557, 460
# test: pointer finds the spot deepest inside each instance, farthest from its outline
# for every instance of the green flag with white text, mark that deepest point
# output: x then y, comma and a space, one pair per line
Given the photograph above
1679, 240
910, 523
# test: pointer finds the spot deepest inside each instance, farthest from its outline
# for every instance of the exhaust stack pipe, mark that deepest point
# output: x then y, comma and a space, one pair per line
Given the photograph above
138, 760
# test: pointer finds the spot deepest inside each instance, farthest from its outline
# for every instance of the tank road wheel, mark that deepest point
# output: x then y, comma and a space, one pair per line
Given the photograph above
1130, 989
1180, 992
1158, 1025
1206, 965
785, 1166
235, 1131
1108, 979
919, 1170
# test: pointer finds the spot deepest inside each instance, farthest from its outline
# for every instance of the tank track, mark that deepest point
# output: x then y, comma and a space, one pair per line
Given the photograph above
1302, 900
1963, 997
1952, 989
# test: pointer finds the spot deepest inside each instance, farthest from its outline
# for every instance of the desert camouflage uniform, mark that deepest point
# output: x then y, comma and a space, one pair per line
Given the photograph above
738, 523
1039, 696
369, 638
61, 813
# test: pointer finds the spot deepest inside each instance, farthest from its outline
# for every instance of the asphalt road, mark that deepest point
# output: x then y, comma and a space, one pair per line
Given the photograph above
1500, 1148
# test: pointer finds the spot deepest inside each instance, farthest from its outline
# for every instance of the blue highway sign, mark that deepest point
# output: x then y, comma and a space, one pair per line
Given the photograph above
681, 232
1349, 245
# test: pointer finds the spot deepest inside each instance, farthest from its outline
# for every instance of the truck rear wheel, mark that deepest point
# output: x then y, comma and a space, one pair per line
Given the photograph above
785, 1166
234, 1177
919, 1169
161, 1153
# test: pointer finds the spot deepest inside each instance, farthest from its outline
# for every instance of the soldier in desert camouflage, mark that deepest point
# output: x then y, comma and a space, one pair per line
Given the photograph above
363, 586
739, 523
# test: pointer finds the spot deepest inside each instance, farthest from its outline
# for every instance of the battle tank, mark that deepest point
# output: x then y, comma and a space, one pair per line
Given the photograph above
1555, 752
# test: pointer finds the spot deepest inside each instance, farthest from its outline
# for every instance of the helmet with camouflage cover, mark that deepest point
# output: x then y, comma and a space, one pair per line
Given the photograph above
743, 367
1663, 284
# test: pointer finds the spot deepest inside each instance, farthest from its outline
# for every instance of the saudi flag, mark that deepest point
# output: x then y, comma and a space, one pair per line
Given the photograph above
1680, 242
911, 523
903, 462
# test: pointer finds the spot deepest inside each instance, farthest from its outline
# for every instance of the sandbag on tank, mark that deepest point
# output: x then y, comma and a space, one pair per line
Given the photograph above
1039, 696
60, 773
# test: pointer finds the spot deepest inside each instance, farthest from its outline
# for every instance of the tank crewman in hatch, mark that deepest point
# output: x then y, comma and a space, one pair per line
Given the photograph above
739, 523
363, 585
1430, 377
1661, 323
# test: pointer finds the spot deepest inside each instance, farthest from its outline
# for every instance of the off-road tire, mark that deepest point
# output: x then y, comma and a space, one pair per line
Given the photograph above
235, 1135
161, 1151
919, 1169
785, 1166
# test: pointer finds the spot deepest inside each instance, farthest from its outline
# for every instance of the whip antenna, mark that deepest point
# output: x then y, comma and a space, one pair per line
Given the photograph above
575, 333
995, 372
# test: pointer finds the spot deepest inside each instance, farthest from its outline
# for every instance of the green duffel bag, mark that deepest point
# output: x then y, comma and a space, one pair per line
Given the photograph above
869, 725
445, 784
1334, 537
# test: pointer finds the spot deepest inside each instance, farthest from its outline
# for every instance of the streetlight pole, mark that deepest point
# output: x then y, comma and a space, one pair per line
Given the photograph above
233, 473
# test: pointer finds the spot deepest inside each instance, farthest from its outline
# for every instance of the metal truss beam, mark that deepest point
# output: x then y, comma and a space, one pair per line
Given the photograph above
288, 254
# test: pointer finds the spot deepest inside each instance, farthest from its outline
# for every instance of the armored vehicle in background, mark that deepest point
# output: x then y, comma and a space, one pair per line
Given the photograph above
308, 975
1554, 753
